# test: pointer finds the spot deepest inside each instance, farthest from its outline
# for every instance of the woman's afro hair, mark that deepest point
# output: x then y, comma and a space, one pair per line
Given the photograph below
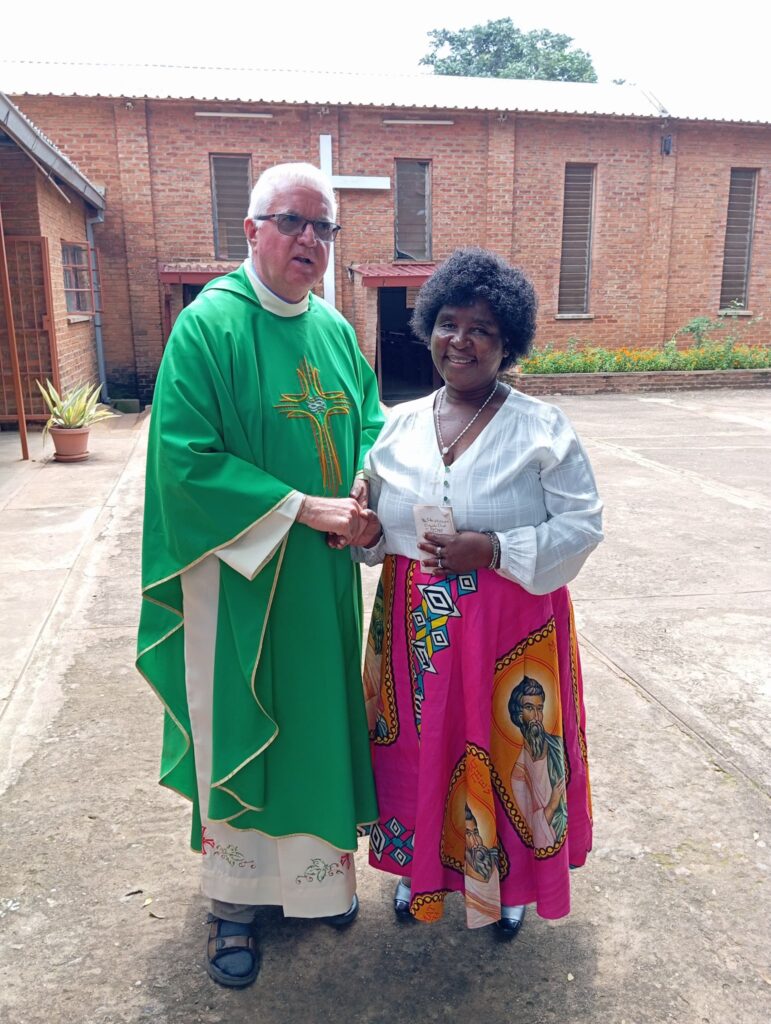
472, 274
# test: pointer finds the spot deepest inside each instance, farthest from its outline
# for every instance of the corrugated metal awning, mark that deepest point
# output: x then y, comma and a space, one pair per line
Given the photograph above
194, 272
47, 156
394, 275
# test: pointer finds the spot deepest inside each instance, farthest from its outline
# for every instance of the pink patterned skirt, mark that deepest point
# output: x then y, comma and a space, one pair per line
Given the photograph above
477, 720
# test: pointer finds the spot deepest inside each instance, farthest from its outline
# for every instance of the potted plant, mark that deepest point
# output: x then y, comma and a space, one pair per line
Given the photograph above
72, 414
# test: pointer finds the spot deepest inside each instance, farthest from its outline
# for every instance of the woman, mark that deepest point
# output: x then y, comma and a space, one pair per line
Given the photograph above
472, 669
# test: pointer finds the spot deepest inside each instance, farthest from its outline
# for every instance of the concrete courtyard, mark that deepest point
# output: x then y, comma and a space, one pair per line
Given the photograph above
101, 921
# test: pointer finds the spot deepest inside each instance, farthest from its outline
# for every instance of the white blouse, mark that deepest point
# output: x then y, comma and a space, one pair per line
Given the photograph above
526, 476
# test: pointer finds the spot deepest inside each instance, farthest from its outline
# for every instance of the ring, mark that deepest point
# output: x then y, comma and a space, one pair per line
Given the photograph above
440, 566
439, 551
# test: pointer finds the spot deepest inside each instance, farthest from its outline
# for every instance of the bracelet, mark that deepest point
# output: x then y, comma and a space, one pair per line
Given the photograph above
496, 559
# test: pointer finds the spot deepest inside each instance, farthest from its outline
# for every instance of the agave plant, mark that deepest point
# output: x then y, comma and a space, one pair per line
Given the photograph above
78, 407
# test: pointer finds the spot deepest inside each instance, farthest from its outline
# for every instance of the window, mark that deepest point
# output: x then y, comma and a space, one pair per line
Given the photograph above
230, 187
738, 238
412, 222
575, 261
78, 282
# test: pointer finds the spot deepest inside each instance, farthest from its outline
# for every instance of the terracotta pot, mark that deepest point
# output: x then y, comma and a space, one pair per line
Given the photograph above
70, 444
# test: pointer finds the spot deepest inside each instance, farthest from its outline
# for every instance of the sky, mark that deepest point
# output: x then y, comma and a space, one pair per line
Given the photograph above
689, 55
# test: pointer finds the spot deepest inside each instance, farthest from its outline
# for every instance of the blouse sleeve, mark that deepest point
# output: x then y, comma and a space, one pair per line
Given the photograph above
545, 557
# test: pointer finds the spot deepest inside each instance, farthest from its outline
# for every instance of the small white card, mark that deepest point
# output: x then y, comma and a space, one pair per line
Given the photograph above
432, 519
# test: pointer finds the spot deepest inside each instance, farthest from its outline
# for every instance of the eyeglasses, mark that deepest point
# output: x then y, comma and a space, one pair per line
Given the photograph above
292, 224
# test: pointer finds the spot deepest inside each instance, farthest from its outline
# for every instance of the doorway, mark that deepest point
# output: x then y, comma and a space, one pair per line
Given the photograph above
29, 280
405, 368
189, 292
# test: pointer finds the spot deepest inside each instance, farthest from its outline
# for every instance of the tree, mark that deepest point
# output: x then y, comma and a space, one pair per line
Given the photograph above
498, 49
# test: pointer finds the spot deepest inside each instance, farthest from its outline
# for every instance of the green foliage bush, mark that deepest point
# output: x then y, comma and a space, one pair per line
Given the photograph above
713, 344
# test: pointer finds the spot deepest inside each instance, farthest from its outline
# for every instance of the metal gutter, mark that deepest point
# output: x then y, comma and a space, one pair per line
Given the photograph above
90, 221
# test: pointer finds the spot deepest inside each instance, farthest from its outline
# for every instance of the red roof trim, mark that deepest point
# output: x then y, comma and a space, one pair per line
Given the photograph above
193, 272
187, 277
394, 275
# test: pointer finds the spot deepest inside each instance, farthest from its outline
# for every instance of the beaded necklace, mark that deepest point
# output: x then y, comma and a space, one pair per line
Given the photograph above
446, 447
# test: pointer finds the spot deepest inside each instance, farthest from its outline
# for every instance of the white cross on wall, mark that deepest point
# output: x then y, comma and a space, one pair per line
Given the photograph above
341, 181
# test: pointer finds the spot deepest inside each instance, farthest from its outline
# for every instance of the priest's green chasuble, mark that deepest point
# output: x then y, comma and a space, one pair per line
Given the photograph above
251, 408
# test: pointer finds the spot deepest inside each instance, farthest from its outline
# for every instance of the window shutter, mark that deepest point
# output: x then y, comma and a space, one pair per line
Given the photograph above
413, 210
230, 186
575, 260
738, 238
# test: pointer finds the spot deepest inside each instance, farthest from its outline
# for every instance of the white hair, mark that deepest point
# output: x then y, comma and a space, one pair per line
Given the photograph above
283, 176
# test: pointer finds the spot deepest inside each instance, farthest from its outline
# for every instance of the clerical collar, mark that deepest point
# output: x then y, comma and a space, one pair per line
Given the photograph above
269, 300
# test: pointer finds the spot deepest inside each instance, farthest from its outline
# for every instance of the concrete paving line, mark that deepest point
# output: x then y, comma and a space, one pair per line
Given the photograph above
85, 540
668, 596
766, 446
734, 495
697, 734
680, 436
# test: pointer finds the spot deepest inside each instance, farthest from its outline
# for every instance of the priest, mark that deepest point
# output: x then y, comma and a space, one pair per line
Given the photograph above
250, 632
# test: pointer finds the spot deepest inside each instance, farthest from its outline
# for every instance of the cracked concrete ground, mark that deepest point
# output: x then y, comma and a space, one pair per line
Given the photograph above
670, 916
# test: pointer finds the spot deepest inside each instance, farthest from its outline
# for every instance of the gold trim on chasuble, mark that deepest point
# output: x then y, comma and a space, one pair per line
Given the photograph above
317, 405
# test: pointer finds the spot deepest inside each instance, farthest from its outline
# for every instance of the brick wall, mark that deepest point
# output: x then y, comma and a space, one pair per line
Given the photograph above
18, 193
366, 318
133, 140
74, 335
85, 130
659, 221
628, 383
33, 206
621, 152
705, 156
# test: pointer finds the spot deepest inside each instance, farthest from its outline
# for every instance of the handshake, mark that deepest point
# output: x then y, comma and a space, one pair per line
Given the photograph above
346, 521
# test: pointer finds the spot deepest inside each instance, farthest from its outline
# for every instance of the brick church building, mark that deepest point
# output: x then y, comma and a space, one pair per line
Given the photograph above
630, 219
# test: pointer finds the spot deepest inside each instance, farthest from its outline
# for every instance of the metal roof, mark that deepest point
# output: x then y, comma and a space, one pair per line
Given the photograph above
255, 85
419, 91
44, 153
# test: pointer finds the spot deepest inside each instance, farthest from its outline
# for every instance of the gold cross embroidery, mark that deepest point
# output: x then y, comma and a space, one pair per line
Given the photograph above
317, 406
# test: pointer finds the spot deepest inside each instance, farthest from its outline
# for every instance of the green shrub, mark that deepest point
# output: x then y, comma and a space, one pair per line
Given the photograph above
714, 345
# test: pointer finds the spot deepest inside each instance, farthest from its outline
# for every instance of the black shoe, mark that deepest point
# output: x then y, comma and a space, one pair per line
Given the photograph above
343, 920
402, 901
510, 922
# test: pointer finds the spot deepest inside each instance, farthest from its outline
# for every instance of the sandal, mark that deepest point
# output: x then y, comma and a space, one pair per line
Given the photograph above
238, 946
